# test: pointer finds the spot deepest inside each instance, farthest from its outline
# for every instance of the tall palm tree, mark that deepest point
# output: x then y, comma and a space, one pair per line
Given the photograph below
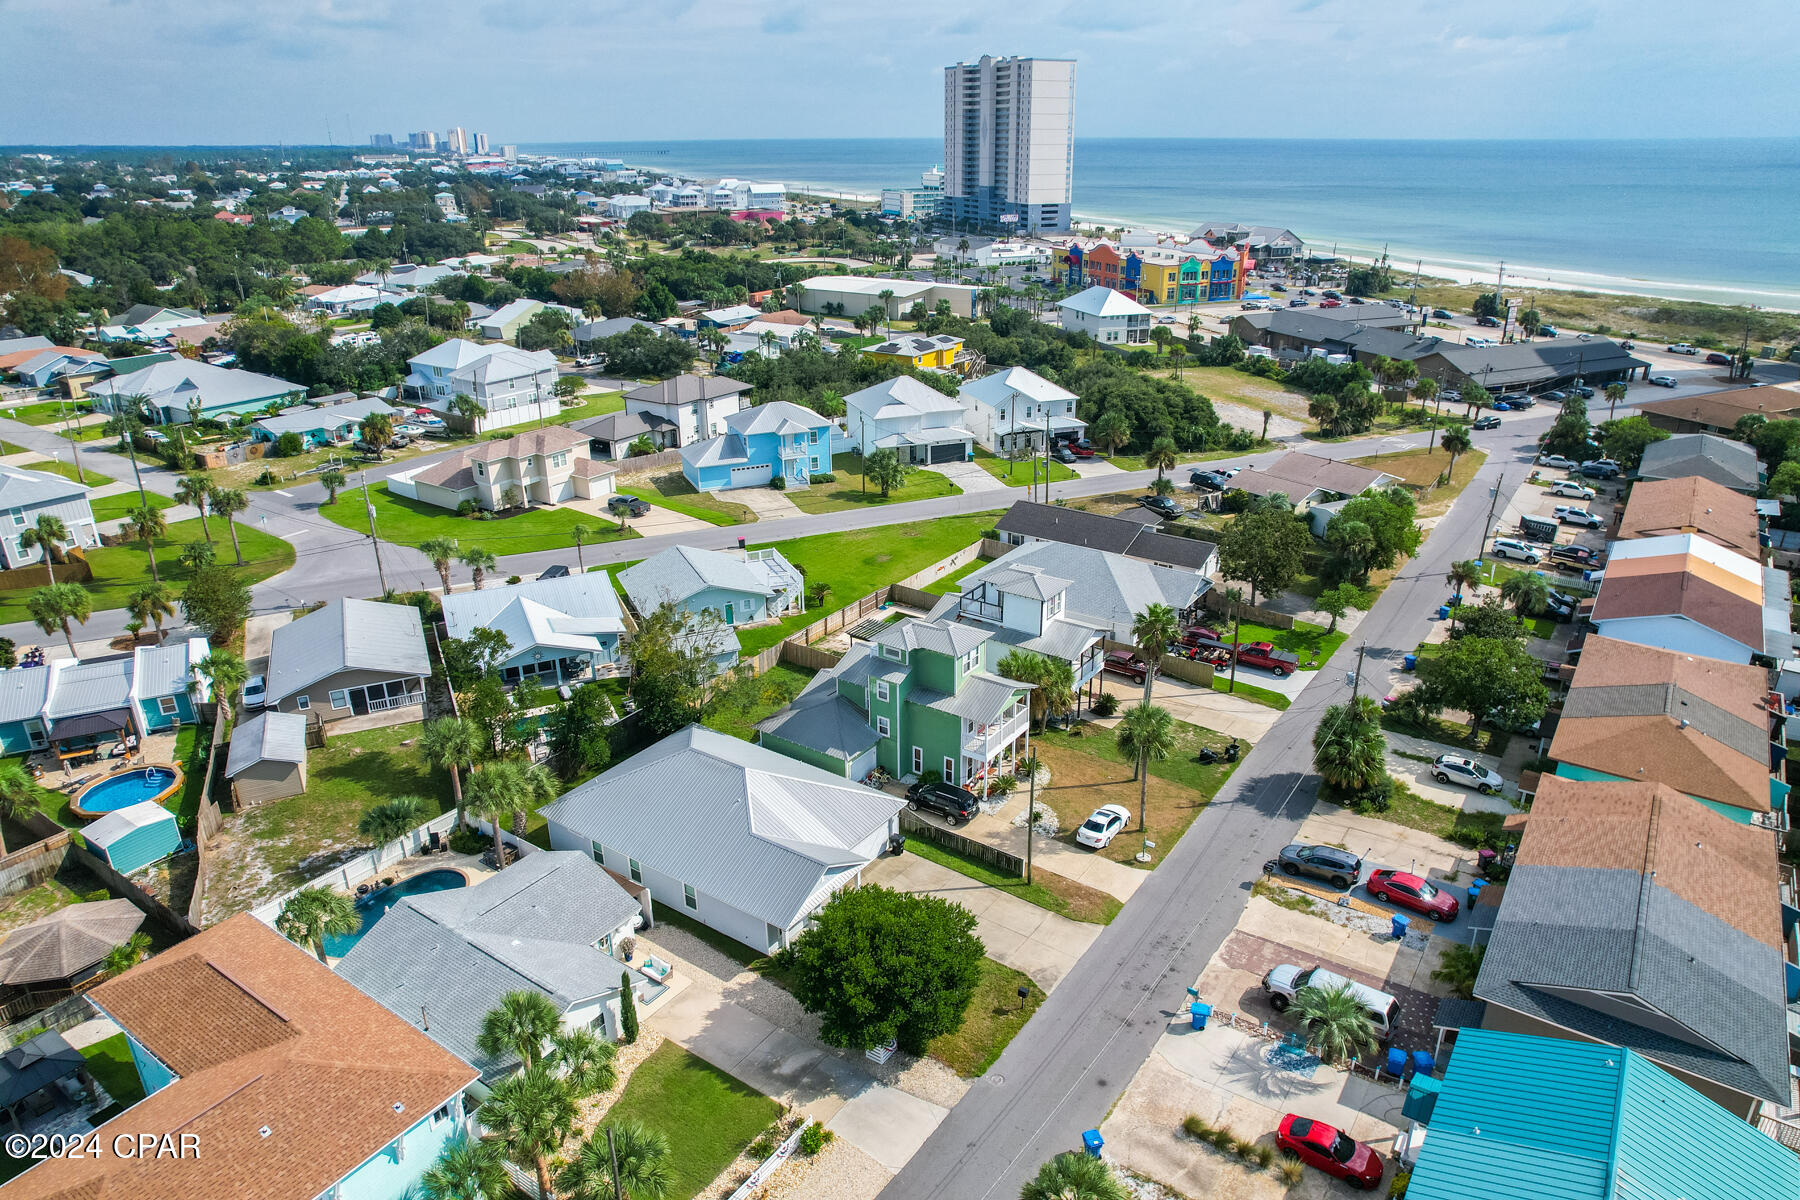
518, 1027
1528, 594
1162, 455
228, 502
467, 1169
467, 408
126, 425
1073, 1175
1349, 750
1336, 1020
1151, 632
196, 489
333, 481
146, 524
1146, 734
442, 552
479, 562
122, 958
391, 819
315, 913
377, 430
1456, 441
1424, 390
49, 532
1463, 577
532, 1113
153, 603
52, 609
587, 1061
1614, 393
509, 789
643, 1156
453, 744
18, 793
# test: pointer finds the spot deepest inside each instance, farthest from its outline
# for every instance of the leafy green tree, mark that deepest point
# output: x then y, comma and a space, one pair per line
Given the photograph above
1489, 620
881, 966
1073, 1175
122, 958
1784, 480
1486, 677
1531, 320
217, 601
48, 532
60, 607
885, 470
1425, 390
18, 792
1265, 546
467, 1169
520, 1027
1145, 734
313, 914
1487, 304
479, 561
1352, 546
1349, 749
670, 665
1626, 439
1529, 594
1568, 434
532, 1114
1334, 602
645, 1161
228, 502
628, 1018
1336, 1020
578, 733
1390, 515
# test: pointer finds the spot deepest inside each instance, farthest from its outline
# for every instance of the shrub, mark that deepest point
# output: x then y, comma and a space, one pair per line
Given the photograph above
1264, 1154
1291, 1170
466, 509
779, 483
464, 840
1243, 1149
815, 1138
1222, 1139
1105, 704
289, 444
764, 1145
628, 946
1002, 786
1374, 798
511, 579
825, 477
1196, 1127
1397, 1188
931, 776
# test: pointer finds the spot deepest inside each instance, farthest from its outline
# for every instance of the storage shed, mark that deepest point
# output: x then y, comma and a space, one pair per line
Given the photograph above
135, 836
267, 759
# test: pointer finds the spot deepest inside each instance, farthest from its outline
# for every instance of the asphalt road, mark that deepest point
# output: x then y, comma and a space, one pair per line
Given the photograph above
1066, 1068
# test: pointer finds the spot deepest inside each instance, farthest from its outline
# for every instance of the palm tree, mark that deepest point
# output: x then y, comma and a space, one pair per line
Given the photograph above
1336, 1020
886, 296
1151, 632
377, 430
18, 793
121, 959
196, 489
52, 608
1456, 441
467, 408
1529, 594
587, 1062
1112, 430
1349, 750
452, 743
126, 425
146, 524
332, 480
315, 913
1424, 390
1073, 1175
1161, 455
532, 1114
1614, 393
518, 1027
1462, 576
1267, 413
195, 555
228, 502
153, 603
509, 789
467, 1169
442, 552
1459, 968
643, 1157
581, 533
50, 533
391, 819
1146, 734
479, 562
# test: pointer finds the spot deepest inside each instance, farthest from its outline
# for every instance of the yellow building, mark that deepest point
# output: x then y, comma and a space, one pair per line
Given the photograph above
938, 352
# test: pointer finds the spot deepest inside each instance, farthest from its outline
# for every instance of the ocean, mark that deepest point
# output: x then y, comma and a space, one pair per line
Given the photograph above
1701, 220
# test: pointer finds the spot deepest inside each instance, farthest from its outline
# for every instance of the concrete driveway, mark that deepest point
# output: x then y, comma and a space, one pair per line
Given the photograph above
1019, 934
767, 503
1418, 776
664, 520
968, 476
1094, 468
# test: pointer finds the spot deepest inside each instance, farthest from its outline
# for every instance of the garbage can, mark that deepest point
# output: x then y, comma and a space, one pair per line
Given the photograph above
1401, 923
1475, 886
1091, 1141
1199, 1013
1423, 1063
1443, 612
1412, 661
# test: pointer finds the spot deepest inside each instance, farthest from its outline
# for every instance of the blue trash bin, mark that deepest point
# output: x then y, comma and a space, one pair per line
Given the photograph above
1443, 612
1412, 661
1422, 1062
1091, 1141
1396, 1062
1199, 1013
1401, 923
1475, 886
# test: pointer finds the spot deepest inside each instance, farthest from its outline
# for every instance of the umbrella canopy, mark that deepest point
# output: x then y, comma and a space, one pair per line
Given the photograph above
35, 1065
67, 942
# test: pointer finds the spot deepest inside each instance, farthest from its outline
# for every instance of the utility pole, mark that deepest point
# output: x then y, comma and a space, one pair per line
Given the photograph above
1493, 503
1030, 814
374, 541
1356, 679
1047, 441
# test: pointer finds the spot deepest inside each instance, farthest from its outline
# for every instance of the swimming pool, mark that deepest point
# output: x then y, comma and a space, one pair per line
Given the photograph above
125, 789
372, 908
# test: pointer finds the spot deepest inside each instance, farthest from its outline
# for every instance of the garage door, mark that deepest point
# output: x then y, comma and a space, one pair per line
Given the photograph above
948, 452
751, 476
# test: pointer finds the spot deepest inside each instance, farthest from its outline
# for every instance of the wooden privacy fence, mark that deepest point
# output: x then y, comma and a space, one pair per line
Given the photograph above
912, 597
74, 569
810, 658
176, 923
207, 824
1213, 602
645, 464
30, 865
916, 826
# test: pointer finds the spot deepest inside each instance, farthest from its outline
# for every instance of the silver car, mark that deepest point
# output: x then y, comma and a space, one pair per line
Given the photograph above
1453, 768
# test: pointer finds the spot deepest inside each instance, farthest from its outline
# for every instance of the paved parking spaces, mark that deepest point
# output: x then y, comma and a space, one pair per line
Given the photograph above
1417, 775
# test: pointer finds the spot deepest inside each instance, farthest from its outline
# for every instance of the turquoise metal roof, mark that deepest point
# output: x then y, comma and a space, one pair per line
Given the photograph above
1528, 1118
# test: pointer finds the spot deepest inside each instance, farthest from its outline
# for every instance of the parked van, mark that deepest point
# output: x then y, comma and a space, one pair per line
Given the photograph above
1283, 983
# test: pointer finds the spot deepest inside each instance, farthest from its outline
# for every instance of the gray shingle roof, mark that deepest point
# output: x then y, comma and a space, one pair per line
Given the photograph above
347, 634
683, 571
593, 331
685, 389
269, 736
742, 824
1106, 590
442, 961
67, 942
20, 488
1732, 464
621, 426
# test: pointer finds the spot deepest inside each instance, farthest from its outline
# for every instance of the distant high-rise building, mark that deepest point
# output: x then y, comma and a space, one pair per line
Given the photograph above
423, 140
456, 140
481, 143
509, 153
1009, 141
381, 141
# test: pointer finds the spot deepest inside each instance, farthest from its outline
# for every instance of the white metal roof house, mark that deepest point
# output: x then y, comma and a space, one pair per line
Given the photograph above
171, 387
1017, 409
742, 839
740, 587
1109, 317
913, 419
350, 658
27, 495
565, 630
148, 323
512, 385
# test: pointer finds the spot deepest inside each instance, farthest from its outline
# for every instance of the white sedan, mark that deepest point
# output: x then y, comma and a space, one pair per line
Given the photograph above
1099, 830
1557, 461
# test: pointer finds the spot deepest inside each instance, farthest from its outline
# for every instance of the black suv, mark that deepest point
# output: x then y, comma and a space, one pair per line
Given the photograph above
948, 801
630, 506
1164, 506
1340, 868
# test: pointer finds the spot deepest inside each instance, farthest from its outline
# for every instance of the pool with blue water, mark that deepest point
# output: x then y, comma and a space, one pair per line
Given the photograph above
372, 908
125, 789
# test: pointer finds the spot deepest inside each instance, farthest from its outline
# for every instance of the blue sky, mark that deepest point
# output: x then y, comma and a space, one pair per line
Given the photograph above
254, 71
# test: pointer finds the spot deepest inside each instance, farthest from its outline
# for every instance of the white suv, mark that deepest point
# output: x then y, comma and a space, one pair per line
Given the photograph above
1568, 514
1450, 768
1514, 549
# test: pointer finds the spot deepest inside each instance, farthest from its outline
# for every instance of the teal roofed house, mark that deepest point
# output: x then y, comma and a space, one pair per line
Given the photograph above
1529, 1118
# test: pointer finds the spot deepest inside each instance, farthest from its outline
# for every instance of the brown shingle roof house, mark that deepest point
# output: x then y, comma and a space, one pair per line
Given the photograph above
1718, 412
1301, 477
1658, 507
288, 1077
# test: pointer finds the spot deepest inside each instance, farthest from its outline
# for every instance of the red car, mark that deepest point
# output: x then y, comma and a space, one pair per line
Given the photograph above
1332, 1151
1411, 891
1121, 663
1331, 304
1080, 450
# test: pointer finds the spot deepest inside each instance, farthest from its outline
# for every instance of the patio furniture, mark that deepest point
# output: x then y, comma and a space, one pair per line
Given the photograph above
656, 968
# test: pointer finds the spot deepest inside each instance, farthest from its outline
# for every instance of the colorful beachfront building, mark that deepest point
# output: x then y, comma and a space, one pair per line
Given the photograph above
1155, 271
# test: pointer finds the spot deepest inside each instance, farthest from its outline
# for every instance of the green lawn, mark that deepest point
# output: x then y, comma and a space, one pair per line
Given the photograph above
1019, 474
671, 490
112, 508
1047, 889
950, 582
109, 1062
1473, 829
1249, 691
708, 1116
67, 471
593, 404
750, 699
48, 412
856, 562
10, 448
121, 570
847, 491
409, 522
1303, 639
995, 1015
190, 752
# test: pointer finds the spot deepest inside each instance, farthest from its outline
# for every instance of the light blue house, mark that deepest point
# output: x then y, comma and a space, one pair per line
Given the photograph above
770, 441
561, 631
322, 424
287, 1082
733, 588
133, 837
165, 686
23, 691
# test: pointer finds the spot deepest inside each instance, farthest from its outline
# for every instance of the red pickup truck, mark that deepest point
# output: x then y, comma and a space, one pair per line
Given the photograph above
1266, 656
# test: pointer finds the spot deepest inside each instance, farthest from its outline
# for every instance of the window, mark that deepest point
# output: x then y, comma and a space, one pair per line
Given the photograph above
302, 702
881, 726
481, 468
918, 760
881, 689
340, 698
635, 869
18, 517
949, 769
688, 898
599, 854
560, 459
815, 462
167, 706
812, 437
